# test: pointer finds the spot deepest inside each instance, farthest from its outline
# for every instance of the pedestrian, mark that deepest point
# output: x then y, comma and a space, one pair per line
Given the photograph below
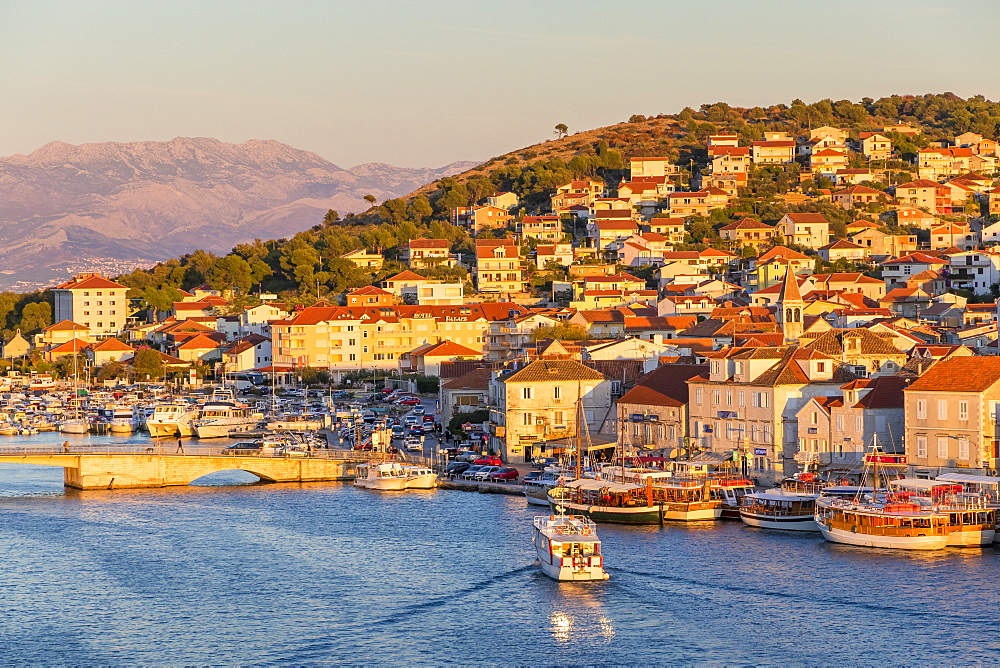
66, 446
180, 446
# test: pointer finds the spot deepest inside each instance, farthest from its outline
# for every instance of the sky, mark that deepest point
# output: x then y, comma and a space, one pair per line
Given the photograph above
422, 84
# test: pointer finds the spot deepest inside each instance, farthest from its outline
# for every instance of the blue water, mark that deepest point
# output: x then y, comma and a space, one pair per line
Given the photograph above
230, 572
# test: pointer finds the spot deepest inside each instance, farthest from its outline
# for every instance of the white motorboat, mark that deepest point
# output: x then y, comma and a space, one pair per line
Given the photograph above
536, 491
568, 548
74, 426
420, 477
386, 476
122, 421
173, 419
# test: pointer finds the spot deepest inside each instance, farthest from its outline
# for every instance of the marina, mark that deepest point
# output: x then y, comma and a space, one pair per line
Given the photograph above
192, 562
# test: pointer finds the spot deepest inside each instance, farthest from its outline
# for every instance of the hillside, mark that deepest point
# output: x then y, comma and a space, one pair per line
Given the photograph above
113, 206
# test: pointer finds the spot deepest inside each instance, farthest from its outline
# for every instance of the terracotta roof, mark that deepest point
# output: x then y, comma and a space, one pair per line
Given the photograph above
199, 342
553, 370
747, 224
430, 243
406, 276
369, 290
110, 345
68, 348
859, 190
65, 326
832, 341
813, 218
450, 349
783, 253
960, 374
90, 283
477, 379
841, 244
664, 386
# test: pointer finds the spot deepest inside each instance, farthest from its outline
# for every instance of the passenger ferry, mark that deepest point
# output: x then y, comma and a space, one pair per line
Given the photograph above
987, 486
791, 507
906, 513
568, 548
659, 499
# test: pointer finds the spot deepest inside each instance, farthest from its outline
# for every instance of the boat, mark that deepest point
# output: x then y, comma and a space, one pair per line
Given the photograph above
420, 477
568, 548
987, 486
536, 490
384, 476
74, 426
656, 501
171, 419
972, 523
906, 514
780, 509
790, 507
122, 421
221, 415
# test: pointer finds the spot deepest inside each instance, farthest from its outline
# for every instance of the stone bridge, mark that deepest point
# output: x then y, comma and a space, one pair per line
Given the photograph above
111, 470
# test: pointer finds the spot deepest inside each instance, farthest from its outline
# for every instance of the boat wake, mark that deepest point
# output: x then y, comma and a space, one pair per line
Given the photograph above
811, 599
321, 648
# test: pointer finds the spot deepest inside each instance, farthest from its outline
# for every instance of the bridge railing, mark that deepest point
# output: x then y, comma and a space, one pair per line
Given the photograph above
338, 455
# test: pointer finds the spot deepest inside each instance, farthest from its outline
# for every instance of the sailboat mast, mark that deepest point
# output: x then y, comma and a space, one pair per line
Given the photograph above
579, 415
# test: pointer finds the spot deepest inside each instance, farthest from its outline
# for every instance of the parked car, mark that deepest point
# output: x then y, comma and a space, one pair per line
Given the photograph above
470, 473
506, 474
467, 456
532, 475
245, 446
485, 472
542, 462
409, 401
489, 461
455, 469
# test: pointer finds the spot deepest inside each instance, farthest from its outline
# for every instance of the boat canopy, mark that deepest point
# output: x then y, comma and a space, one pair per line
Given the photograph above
779, 495
915, 483
601, 484
970, 478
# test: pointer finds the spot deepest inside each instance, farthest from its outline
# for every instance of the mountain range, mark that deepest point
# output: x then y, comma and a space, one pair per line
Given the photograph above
114, 206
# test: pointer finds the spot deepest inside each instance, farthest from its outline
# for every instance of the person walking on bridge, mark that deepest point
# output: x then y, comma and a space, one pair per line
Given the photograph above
66, 447
180, 446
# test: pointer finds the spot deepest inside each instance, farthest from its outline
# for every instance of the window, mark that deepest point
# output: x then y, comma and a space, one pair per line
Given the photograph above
715, 366
942, 409
814, 417
557, 392
352, 358
352, 342
963, 410
963, 448
942, 450
840, 423
557, 418
528, 421
729, 397
716, 397
820, 367
525, 392
742, 402
697, 396
921, 409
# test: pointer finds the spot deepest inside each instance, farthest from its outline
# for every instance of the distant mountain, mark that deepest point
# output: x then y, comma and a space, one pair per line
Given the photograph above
113, 206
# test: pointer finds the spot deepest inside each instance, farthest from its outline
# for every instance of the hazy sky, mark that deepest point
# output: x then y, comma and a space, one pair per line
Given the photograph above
425, 83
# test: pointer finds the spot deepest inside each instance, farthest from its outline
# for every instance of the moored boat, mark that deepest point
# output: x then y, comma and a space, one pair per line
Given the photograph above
780, 509
568, 548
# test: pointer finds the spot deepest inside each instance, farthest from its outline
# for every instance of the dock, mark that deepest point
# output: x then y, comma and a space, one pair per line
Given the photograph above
482, 487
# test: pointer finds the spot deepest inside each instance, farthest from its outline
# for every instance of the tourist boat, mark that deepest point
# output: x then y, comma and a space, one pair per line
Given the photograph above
894, 516
171, 419
8, 429
536, 491
221, 415
791, 507
972, 523
780, 509
384, 476
987, 486
568, 548
660, 499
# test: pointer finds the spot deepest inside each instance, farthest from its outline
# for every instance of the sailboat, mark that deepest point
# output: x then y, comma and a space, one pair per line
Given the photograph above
75, 424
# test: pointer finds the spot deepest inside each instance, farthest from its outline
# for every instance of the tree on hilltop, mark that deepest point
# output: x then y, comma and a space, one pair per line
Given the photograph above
561, 130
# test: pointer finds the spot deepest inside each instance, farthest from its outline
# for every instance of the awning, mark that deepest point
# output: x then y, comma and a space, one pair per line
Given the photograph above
606, 446
595, 485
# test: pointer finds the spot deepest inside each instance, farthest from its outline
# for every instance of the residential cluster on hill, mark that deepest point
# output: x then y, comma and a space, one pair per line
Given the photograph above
866, 311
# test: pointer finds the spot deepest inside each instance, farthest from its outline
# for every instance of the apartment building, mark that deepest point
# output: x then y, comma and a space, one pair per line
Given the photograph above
951, 414
498, 267
93, 301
